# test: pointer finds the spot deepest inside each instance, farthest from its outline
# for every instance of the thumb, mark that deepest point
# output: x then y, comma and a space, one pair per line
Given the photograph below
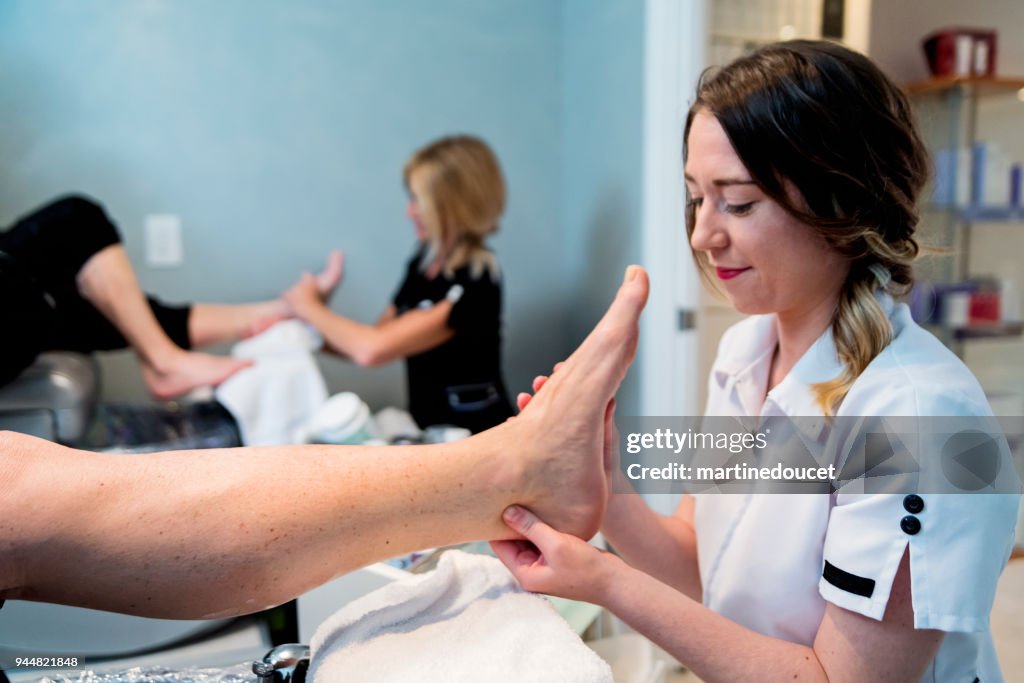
529, 525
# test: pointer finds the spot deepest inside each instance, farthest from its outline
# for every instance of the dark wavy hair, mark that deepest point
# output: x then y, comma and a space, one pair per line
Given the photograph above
828, 121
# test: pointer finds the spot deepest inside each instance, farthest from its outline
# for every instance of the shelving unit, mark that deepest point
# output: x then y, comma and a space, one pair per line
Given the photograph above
981, 85
950, 111
981, 238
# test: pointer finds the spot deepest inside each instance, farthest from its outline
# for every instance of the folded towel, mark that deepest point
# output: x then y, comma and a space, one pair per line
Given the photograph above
468, 620
273, 399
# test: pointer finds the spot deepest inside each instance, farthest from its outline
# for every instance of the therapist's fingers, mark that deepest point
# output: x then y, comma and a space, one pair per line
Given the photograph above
305, 281
523, 398
540, 380
522, 521
516, 555
330, 277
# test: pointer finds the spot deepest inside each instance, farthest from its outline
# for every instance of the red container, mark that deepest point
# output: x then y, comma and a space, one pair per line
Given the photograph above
984, 308
961, 52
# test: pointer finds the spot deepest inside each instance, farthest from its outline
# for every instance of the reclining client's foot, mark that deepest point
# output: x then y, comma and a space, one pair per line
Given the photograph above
184, 371
561, 431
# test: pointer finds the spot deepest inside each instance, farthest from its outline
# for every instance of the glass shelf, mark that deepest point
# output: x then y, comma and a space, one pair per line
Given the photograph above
976, 331
1000, 330
982, 85
988, 214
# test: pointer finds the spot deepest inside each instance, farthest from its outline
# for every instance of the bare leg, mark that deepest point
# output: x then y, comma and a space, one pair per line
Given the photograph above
108, 283
211, 324
217, 532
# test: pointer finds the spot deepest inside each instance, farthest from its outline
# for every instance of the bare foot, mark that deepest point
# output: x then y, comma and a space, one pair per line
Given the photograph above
328, 279
187, 370
561, 433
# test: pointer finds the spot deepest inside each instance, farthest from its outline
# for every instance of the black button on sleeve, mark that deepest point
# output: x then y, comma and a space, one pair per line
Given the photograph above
913, 503
910, 525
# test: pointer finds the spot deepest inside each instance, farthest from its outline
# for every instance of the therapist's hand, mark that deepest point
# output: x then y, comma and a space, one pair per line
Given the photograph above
555, 563
328, 279
304, 296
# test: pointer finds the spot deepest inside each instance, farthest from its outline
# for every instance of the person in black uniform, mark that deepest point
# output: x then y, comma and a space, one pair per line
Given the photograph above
66, 284
445, 318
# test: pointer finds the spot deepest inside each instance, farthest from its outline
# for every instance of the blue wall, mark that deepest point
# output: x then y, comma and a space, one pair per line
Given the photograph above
602, 158
278, 130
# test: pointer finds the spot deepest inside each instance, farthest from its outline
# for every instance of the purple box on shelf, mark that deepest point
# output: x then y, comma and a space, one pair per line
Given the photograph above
1015, 180
979, 158
928, 300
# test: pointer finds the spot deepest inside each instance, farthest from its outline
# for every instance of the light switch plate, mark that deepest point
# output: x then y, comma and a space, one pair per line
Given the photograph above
163, 240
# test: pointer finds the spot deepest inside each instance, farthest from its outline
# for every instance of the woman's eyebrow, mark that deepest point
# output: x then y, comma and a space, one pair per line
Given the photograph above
723, 182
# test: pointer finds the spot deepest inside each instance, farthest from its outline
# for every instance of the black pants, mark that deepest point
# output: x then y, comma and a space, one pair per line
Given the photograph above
40, 257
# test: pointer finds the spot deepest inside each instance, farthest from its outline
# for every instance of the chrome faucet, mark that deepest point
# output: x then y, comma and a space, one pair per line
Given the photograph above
283, 664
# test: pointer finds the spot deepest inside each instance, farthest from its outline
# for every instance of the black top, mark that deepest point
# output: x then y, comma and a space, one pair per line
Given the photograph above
40, 257
459, 382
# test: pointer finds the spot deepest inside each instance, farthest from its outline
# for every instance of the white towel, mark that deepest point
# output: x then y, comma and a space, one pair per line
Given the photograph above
273, 399
468, 620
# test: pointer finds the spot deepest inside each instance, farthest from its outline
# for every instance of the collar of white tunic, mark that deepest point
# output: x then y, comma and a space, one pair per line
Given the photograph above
744, 361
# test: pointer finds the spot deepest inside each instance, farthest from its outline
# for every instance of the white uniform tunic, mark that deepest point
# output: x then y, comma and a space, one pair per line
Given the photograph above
770, 561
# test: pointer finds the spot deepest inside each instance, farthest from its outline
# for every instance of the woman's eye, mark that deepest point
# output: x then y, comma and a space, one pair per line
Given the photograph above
739, 209
694, 202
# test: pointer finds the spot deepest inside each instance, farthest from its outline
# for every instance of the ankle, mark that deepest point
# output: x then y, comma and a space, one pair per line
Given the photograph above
502, 462
162, 361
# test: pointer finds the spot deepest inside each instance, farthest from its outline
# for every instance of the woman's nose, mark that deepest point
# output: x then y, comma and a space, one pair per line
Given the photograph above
708, 233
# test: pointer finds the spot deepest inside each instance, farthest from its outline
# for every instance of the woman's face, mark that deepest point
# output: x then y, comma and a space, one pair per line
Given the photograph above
766, 260
412, 209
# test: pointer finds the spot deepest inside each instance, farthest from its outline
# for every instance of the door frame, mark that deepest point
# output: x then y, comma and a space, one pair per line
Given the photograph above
675, 55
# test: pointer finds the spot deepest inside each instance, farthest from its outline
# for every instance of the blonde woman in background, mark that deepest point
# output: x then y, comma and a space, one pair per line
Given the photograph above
445, 318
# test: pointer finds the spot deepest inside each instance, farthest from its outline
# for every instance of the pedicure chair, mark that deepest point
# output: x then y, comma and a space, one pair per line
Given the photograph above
54, 398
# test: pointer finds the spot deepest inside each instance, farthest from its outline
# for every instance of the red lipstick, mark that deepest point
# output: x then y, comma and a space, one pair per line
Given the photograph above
729, 273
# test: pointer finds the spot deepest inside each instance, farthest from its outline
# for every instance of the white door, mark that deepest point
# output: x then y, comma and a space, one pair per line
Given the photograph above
676, 38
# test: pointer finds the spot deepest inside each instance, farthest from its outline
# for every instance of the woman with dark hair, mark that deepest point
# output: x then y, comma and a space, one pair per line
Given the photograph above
803, 169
